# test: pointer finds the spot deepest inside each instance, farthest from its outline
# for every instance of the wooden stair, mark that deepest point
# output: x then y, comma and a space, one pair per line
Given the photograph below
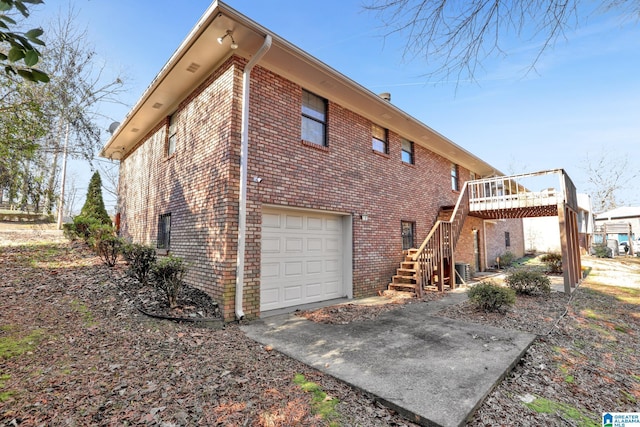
406, 278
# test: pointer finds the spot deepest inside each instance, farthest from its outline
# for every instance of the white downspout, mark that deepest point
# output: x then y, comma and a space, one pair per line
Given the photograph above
244, 150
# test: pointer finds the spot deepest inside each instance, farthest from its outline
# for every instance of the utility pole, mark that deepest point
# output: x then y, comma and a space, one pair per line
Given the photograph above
63, 178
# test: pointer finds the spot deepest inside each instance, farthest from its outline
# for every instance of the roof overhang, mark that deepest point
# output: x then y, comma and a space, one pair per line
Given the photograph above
200, 54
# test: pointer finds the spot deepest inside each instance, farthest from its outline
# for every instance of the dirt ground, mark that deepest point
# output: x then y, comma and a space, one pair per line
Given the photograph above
75, 351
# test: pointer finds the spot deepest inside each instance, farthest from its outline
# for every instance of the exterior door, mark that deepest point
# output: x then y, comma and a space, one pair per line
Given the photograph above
476, 249
408, 230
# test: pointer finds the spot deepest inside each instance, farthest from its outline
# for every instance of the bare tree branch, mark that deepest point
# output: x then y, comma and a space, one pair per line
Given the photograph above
457, 37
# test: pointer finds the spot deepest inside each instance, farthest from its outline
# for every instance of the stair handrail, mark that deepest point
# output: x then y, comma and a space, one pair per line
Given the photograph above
437, 225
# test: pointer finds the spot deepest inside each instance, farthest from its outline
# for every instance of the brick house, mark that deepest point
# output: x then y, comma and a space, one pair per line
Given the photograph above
281, 181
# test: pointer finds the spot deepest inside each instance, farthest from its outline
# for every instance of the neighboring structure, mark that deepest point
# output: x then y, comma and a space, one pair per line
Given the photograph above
626, 218
283, 182
542, 234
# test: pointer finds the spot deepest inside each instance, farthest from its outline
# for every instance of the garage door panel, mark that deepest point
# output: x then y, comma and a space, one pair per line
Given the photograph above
301, 258
332, 288
314, 244
271, 270
314, 290
270, 220
294, 222
333, 245
314, 223
293, 269
293, 293
271, 245
333, 224
314, 267
270, 296
293, 244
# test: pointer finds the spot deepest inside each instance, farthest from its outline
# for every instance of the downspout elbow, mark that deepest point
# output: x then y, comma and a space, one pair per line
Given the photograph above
244, 150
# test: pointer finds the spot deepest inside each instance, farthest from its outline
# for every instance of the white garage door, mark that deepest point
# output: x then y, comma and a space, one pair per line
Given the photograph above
301, 258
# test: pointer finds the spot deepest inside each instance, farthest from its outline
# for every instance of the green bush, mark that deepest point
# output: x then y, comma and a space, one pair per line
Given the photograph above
167, 274
528, 281
506, 259
141, 259
553, 262
99, 232
109, 248
82, 226
94, 204
491, 297
601, 250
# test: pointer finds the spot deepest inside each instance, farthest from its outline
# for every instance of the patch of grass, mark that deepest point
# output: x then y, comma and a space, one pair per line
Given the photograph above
4, 395
590, 314
87, 316
629, 397
622, 328
321, 403
546, 406
12, 345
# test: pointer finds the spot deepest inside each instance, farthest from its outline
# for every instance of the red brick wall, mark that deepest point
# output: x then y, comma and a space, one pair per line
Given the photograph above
199, 184
496, 239
193, 185
346, 176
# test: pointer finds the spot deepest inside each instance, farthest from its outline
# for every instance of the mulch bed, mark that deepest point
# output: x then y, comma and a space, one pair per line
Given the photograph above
95, 359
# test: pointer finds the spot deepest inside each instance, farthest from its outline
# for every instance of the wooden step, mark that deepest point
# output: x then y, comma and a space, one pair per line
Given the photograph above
403, 279
404, 287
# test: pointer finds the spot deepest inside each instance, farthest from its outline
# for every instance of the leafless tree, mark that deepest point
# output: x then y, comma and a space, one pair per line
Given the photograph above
608, 174
457, 36
79, 86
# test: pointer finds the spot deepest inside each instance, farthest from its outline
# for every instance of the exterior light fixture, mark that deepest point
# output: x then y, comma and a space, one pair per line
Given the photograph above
229, 34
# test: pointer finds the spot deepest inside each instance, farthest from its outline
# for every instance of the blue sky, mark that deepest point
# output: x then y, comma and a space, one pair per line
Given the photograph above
583, 98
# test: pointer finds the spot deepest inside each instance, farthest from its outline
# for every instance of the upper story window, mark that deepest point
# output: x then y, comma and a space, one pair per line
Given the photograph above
171, 140
455, 182
164, 231
314, 118
379, 139
407, 151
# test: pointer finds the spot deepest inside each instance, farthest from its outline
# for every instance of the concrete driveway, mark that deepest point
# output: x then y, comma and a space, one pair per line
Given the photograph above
433, 370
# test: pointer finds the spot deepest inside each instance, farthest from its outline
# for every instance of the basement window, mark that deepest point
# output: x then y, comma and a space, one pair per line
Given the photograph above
164, 231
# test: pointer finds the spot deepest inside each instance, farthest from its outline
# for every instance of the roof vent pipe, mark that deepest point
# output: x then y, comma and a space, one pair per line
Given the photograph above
386, 96
244, 149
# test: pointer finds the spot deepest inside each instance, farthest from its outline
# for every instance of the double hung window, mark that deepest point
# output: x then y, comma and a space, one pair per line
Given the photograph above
314, 118
379, 139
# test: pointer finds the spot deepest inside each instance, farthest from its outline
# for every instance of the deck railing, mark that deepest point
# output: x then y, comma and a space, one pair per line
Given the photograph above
522, 191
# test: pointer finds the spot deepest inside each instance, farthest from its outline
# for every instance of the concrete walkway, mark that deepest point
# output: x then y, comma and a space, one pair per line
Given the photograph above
433, 370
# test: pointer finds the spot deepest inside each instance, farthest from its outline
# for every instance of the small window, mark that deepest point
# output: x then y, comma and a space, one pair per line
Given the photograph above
314, 118
407, 151
171, 140
379, 139
507, 239
455, 185
164, 231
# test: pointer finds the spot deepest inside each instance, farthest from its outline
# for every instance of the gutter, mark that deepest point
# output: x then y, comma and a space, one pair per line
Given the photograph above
244, 150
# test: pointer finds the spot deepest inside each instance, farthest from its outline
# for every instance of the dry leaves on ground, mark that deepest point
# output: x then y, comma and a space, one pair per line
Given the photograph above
75, 351
84, 355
